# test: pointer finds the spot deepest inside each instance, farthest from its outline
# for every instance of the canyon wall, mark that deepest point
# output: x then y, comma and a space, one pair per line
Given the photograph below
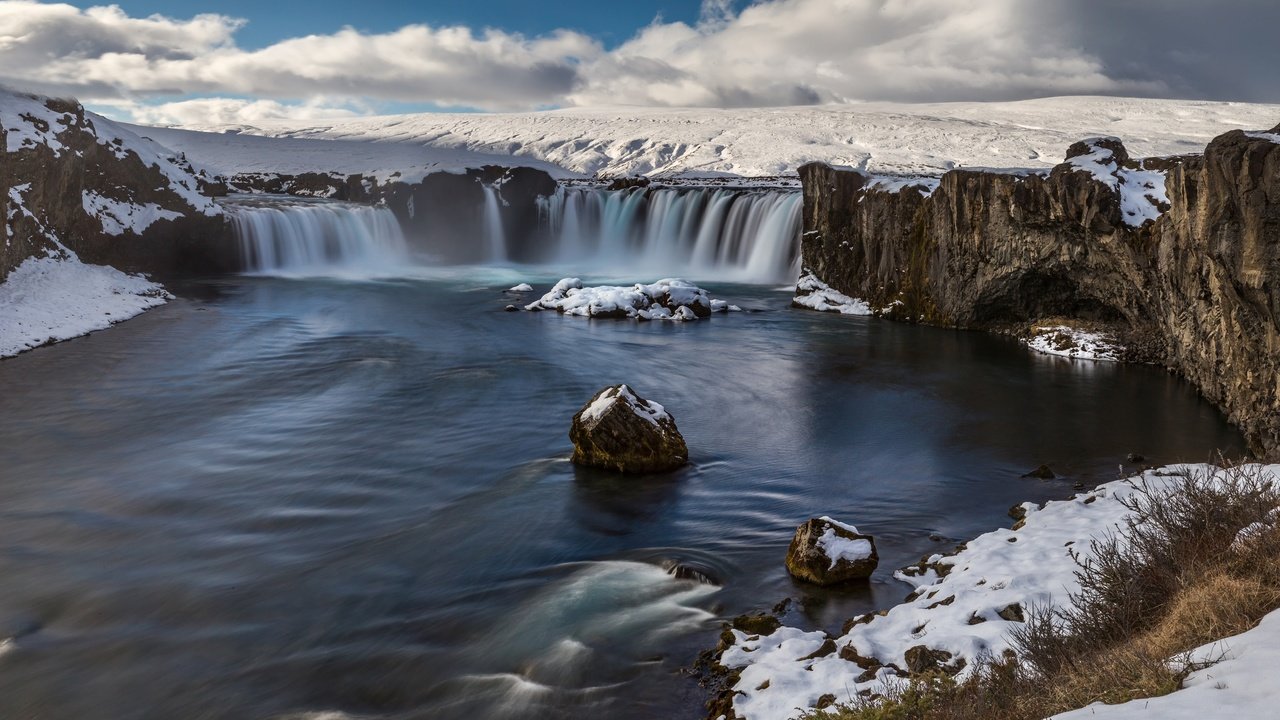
1178, 258
71, 182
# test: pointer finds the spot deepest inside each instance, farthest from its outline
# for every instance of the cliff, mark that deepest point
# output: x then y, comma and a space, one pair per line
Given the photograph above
73, 182
1179, 258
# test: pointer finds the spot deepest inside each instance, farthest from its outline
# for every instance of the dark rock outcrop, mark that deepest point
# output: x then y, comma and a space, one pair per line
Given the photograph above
619, 430
70, 180
826, 552
1196, 289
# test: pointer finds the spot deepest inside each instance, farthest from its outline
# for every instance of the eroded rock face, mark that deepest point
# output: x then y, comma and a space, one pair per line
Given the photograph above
73, 181
619, 430
828, 552
1186, 275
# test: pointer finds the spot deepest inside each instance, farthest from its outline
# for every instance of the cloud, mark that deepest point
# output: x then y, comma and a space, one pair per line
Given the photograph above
101, 54
768, 52
227, 111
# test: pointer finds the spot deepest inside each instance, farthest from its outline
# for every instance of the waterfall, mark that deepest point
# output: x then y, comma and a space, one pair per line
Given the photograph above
732, 233
494, 236
294, 236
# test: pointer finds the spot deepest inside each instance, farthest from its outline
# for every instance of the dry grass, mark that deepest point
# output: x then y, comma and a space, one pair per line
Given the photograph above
1173, 579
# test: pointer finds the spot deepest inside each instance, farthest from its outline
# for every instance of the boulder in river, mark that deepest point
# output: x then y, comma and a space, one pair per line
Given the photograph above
829, 552
619, 430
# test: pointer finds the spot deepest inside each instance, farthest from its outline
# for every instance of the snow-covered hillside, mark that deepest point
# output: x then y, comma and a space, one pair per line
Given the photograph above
231, 153
879, 137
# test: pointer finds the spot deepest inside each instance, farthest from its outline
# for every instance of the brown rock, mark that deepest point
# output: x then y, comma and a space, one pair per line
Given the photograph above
810, 557
619, 430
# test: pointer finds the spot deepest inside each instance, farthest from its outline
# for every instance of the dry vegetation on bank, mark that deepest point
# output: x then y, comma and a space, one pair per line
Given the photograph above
1191, 566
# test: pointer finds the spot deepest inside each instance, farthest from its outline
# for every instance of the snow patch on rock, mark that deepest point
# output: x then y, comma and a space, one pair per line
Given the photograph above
838, 548
1074, 343
668, 299
1142, 192
118, 217
814, 294
644, 409
48, 299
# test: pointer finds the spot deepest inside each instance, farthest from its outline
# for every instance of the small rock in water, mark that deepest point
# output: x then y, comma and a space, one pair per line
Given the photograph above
521, 288
1135, 458
1044, 472
511, 308
828, 552
619, 430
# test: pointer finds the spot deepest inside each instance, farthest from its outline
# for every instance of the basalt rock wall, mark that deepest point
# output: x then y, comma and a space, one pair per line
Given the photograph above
72, 182
1196, 289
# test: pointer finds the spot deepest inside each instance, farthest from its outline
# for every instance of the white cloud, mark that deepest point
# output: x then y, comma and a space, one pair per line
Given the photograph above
771, 52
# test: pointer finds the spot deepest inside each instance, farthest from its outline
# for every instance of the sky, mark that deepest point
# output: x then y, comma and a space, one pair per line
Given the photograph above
240, 62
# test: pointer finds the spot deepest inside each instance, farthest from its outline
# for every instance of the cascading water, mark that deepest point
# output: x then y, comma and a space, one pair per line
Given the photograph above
735, 233
494, 234
294, 236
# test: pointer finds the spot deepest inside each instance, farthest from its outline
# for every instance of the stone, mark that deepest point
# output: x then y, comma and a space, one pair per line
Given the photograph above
923, 659
827, 552
1135, 458
621, 431
1044, 472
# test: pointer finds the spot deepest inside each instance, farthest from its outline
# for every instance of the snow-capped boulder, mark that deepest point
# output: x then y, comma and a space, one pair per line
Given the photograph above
667, 299
829, 552
619, 430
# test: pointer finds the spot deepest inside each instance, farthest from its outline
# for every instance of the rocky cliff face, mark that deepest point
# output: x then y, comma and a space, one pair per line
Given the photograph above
74, 182
1177, 257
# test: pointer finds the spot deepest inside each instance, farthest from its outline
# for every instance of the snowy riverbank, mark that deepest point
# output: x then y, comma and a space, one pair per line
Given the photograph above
45, 300
963, 610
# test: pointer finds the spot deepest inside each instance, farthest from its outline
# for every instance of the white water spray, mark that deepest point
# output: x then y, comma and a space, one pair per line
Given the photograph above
741, 234
291, 236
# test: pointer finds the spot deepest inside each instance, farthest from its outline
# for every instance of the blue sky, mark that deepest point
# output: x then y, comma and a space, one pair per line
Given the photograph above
245, 61
610, 21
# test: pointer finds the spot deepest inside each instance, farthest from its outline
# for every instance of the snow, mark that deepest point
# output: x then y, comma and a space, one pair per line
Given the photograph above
231, 154
646, 409
521, 288
1074, 343
1142, 192
1240, 683
29, 122
668, 299
48, 299
877, 138
957, 609
1273, 137
117, 217
838, 548
897, 183
814, 294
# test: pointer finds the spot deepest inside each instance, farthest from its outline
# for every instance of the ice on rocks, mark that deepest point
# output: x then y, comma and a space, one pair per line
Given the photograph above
668, 299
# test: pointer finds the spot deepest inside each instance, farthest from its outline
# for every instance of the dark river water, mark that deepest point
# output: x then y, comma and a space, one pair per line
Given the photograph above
321, 499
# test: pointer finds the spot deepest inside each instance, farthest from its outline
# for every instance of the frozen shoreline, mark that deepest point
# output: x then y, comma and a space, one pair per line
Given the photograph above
47, 300
962, 610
